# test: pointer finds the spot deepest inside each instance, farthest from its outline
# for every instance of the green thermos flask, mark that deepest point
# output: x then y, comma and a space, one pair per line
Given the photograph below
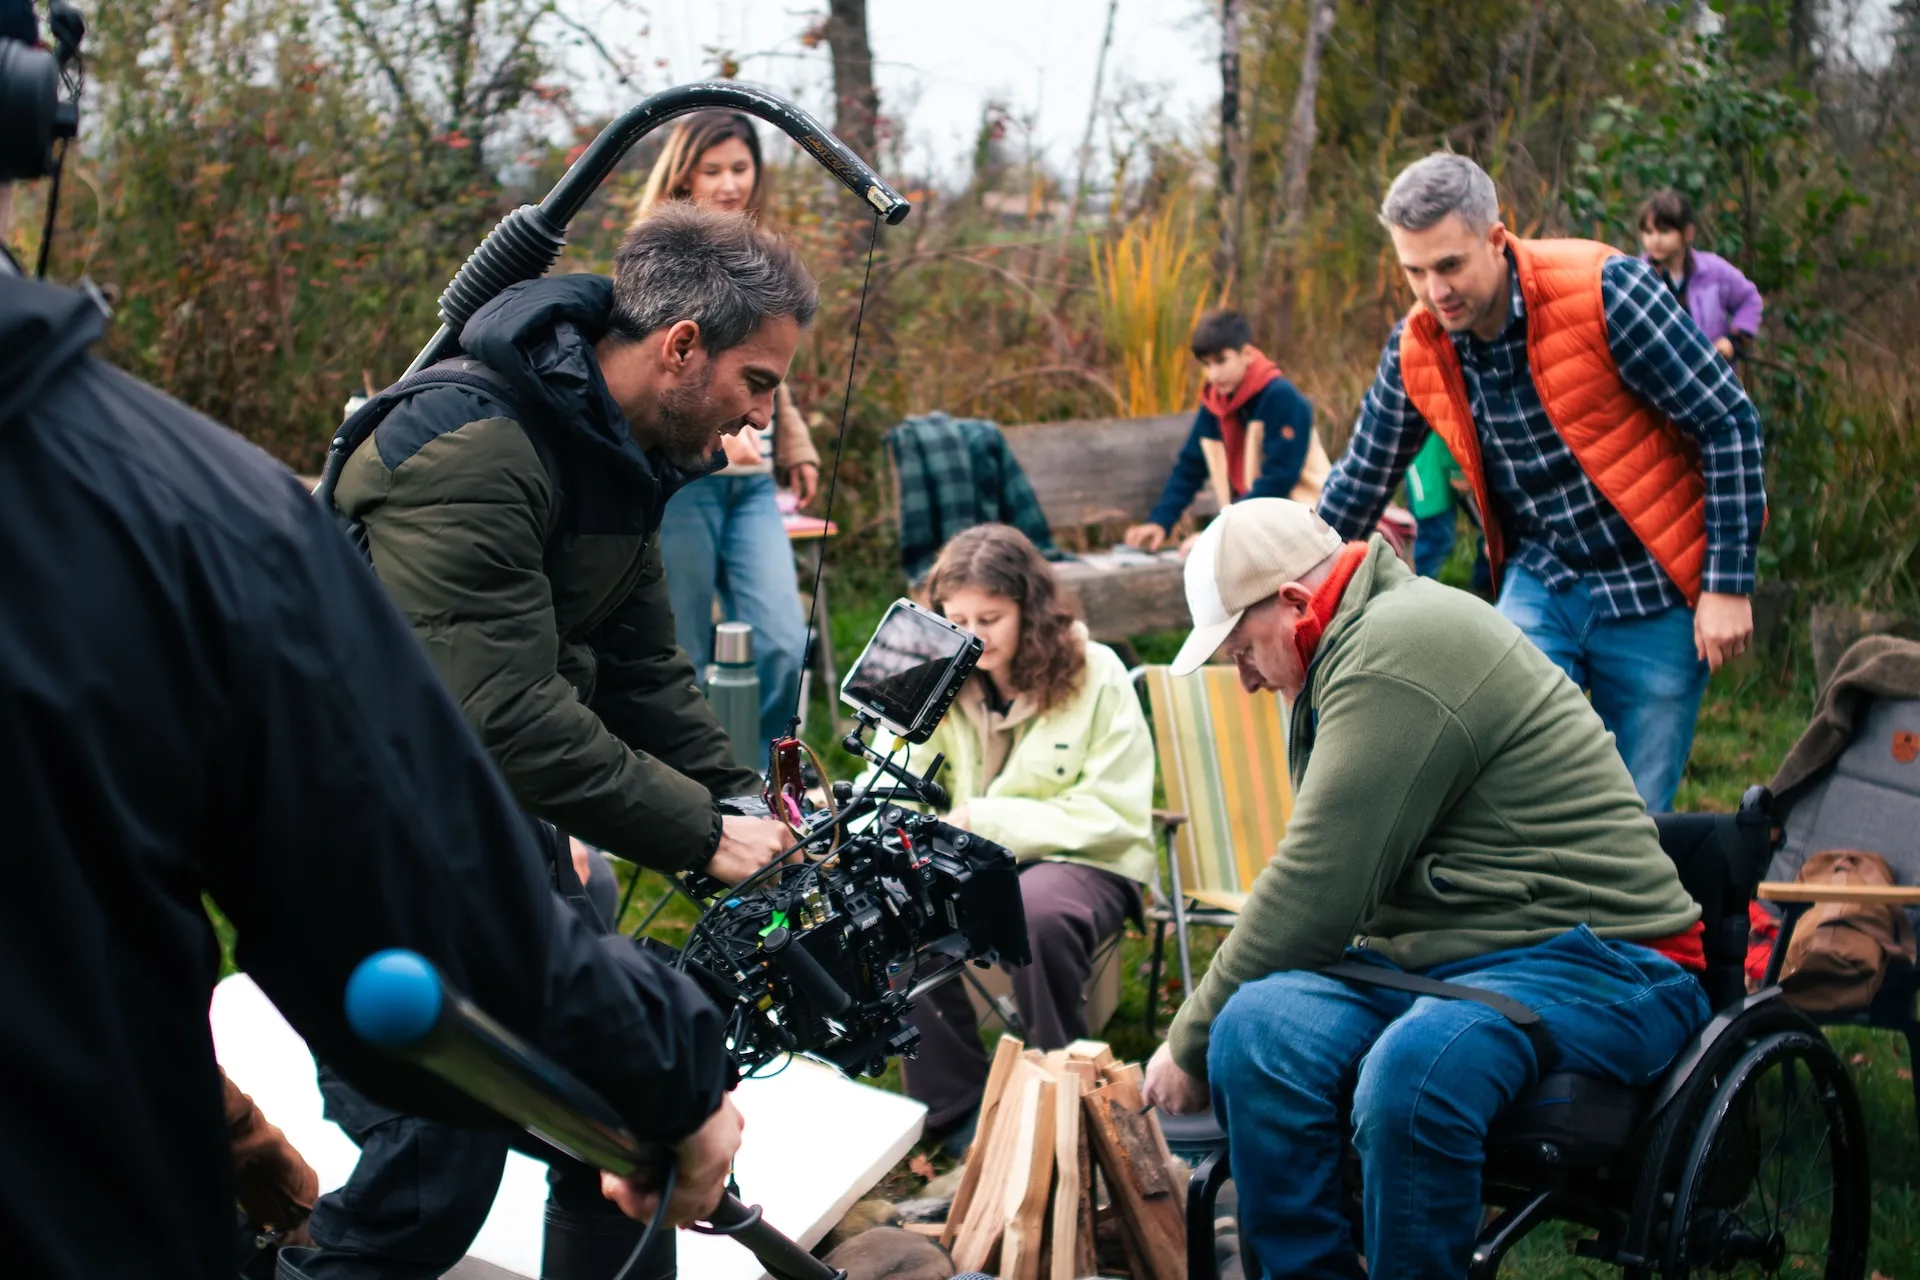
734, 690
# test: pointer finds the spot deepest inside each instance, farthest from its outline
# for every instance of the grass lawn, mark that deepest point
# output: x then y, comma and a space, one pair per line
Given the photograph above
1751, 716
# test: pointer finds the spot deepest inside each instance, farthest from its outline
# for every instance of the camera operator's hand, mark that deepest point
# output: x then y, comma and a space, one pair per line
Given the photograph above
702, 1160
747, 845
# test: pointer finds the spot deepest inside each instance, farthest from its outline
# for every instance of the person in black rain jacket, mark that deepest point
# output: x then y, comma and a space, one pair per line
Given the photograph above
204, 691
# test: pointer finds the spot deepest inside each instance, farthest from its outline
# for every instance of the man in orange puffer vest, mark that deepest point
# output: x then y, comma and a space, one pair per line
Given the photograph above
1615, 459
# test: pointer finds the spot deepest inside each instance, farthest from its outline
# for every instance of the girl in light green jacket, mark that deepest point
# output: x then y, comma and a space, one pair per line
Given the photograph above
1049, 755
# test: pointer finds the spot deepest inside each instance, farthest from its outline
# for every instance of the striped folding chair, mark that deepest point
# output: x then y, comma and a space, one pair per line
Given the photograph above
1223, 760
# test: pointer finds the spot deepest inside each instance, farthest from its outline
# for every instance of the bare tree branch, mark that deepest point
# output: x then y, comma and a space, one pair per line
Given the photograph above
606, 55
351, 15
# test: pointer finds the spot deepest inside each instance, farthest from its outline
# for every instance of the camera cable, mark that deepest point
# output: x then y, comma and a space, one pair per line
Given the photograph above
653, 1224
833, 484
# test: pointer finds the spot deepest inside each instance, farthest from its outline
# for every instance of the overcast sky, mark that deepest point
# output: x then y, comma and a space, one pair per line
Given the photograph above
938, 62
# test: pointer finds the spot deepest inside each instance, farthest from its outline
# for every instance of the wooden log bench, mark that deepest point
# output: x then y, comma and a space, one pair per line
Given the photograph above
1093, 476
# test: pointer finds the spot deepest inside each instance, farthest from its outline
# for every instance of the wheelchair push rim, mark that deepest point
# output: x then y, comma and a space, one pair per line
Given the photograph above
1776, 1180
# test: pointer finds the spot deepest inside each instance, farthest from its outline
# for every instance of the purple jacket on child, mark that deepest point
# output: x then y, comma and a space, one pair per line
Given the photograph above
1721, 300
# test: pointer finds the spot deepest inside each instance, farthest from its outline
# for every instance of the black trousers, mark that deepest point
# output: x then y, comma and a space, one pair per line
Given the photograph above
422, 1189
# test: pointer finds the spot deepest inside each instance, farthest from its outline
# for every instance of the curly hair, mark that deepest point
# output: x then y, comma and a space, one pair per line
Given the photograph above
998, 559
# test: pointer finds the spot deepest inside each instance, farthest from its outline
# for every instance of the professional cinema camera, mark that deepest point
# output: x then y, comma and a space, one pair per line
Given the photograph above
39, 99
823, 956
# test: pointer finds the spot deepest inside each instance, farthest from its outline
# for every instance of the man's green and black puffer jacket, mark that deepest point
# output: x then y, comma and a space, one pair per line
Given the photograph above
526, 556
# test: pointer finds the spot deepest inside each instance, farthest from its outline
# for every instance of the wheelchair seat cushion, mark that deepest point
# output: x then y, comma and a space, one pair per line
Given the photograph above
1568, 1119
1193, 1138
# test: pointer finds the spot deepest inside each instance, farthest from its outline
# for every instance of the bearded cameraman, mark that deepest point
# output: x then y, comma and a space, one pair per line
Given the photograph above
205, 694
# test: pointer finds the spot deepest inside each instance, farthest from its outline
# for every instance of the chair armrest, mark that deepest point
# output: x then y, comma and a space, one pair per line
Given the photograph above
1793, 891
1171, 819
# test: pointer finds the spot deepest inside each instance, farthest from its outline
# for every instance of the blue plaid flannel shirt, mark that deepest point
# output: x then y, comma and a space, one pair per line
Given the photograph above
1558, 525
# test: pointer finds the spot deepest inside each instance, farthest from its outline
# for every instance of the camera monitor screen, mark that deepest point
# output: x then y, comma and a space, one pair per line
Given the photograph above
911, 670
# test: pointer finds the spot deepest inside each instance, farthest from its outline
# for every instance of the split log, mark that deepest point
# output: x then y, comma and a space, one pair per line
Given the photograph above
1066, 1187
1086, 1251
1025, 1202
1095, 1051
1144, 1192
1005, 1055
978, 1231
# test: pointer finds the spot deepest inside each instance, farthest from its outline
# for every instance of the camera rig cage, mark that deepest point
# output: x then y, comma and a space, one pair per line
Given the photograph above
824, 957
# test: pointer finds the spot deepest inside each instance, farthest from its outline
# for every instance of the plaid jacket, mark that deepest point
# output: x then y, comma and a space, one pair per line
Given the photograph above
1559, 525
956, 473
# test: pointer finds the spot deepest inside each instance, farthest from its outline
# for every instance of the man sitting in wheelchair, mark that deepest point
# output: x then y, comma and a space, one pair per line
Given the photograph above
1460, 814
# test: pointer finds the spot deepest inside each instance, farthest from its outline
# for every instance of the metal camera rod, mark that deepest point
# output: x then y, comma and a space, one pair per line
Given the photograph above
399, 1001
924, 788
528, 241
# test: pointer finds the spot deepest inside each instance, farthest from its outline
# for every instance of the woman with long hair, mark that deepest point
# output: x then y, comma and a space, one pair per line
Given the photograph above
1049, 755
724, 535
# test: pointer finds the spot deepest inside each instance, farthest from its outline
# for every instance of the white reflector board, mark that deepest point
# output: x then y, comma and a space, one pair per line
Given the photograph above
815, 1142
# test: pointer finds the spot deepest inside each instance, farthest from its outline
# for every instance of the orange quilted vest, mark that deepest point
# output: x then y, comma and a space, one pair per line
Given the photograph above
1640, 462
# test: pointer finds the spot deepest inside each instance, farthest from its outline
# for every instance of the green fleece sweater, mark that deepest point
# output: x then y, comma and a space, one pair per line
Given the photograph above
1455, 795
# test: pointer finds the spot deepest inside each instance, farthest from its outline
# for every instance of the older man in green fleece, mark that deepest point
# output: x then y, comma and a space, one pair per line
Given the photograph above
1460, 812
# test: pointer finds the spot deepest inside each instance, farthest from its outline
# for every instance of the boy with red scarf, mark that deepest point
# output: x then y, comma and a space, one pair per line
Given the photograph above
1253, 436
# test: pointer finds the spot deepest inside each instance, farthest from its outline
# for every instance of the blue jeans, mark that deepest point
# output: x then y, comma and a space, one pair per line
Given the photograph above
1433, 542
1645, 677
722, 535
1427, 1077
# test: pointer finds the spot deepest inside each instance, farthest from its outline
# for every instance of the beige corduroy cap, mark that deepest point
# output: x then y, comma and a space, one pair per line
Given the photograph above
1254, 548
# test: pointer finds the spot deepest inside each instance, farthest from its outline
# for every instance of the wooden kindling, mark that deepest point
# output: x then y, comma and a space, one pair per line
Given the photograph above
1005, 1055
1131, 1153
1051, 1127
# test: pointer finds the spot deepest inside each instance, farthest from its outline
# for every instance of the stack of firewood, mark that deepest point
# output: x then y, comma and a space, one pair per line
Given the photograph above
1063, 1146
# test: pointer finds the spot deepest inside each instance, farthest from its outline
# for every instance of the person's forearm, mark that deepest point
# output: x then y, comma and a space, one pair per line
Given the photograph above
1188, 474
567, 766
1386, 435
1665, 360
1083, 825
1736, 505
1351, 501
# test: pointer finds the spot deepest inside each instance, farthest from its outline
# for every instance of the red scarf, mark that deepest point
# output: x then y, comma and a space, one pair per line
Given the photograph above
1225, 407
1326, 601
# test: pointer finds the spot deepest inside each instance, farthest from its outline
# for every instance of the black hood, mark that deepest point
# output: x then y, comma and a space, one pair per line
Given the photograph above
43, 329
539, 335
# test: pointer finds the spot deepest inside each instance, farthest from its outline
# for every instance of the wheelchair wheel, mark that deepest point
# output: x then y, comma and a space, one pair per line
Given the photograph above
1775, 1181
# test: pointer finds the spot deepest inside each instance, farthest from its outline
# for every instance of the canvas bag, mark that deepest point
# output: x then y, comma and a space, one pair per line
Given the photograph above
1838, 956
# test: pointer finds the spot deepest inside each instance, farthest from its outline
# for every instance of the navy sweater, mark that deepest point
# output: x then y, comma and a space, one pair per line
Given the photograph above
1283, 451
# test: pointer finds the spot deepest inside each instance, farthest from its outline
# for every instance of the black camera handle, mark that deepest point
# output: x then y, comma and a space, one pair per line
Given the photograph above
528, 241
398, 1001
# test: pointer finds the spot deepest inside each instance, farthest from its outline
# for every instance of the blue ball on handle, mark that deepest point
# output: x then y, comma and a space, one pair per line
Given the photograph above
394, 998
